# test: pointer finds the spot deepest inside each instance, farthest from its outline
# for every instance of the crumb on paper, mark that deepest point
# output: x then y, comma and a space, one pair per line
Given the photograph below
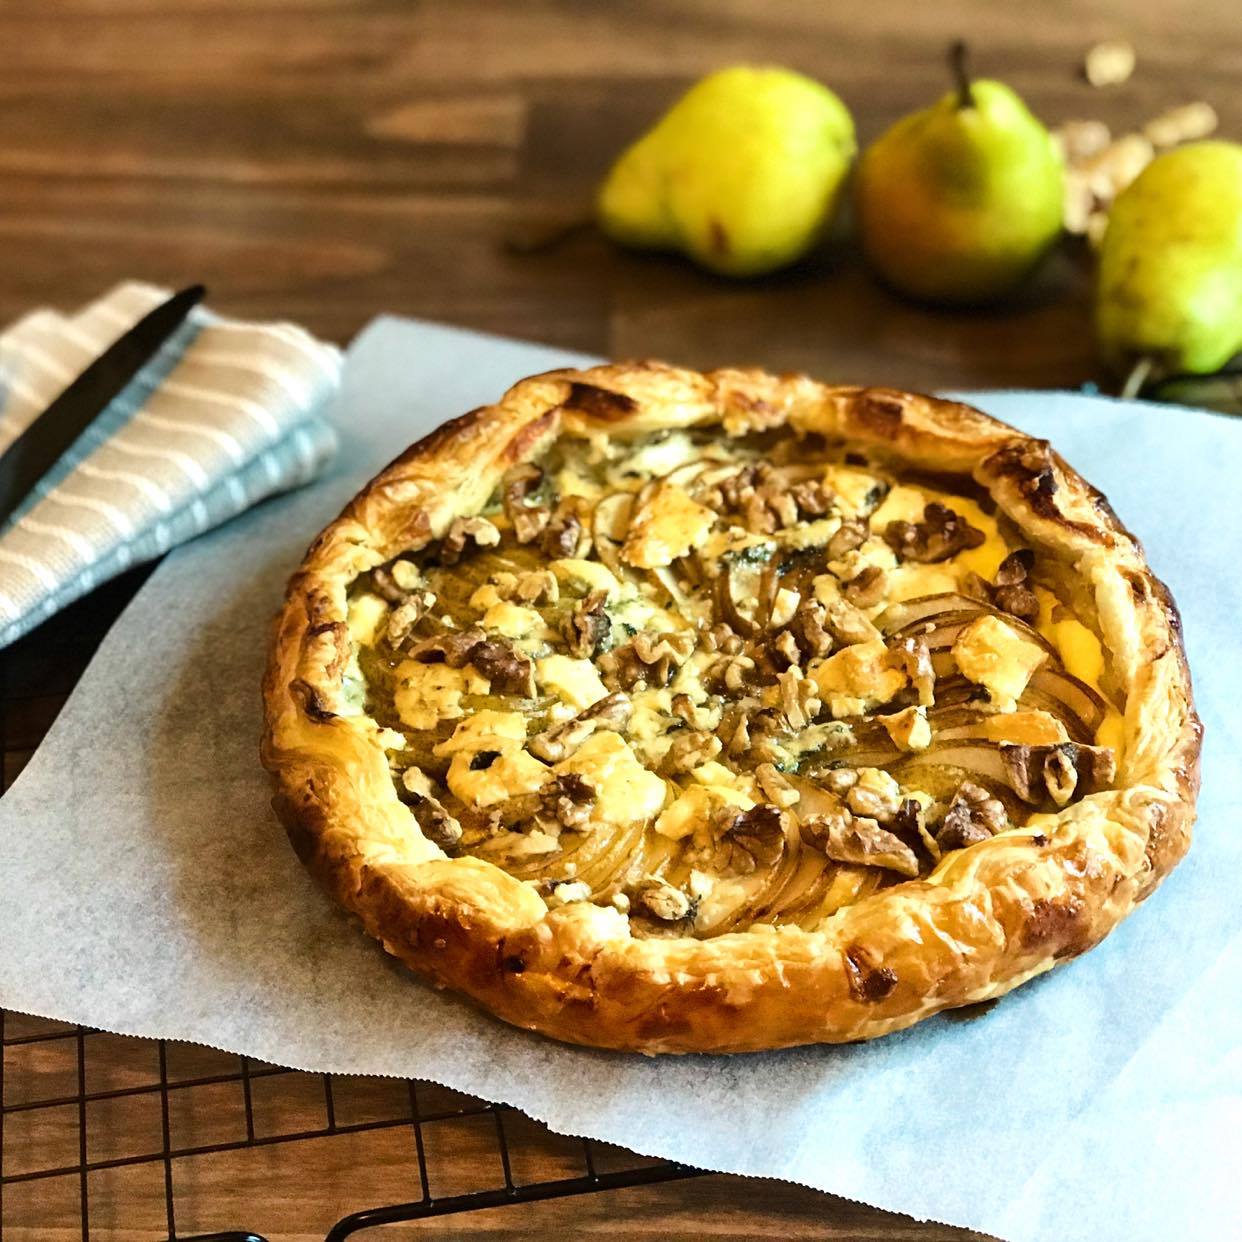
1185, 123
1109, 63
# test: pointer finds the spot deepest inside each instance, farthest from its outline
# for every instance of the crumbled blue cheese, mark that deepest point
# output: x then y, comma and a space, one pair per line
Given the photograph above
694, 808
366, 614
427, 693
909, 729
625, 791
575, 682
511, 770
858, 678
994, 655
667, 526
588, 575
856, 490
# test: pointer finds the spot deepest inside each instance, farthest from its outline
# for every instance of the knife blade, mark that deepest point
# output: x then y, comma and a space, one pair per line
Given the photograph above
43, 443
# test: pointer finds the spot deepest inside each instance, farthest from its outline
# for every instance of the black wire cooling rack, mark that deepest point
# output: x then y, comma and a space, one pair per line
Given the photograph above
97, 1129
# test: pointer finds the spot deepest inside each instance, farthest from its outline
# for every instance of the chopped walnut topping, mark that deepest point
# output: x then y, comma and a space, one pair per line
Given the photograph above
750, 839
867, 588
776, 788
586, 628
734, 730
813, 497
942, 533
807, 628
874, 795
848, 624
567, 533
560, 741
1057, 772
722, 638
783, 651
799, 699
696, 715
528, 520
436, 823
852, 534
537, 587
407, 614
508, 671
453, 647
648, 657
847, 838
1012, 591
386, 586
914, 658
477, 530
661, 899
569, 800
690, 749
910, 823
734, 675
973, 815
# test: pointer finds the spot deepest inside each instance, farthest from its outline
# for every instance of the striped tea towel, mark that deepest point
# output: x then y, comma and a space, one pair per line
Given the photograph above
226, 414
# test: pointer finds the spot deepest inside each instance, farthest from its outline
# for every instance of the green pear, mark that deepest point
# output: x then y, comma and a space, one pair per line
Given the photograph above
741, 174
1169, 295
959, 202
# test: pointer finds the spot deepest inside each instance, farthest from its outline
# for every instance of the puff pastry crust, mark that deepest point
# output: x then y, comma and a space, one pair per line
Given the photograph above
985, 918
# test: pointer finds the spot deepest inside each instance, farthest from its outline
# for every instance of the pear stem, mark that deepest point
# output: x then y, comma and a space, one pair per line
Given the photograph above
959, 66
1139, 373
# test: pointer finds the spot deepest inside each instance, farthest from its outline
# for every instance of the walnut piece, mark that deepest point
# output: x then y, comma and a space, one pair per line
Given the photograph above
407, 614
749, 840
867, 588
1059, 771
508, 670
940, 534
587, 627
462, 531
1011, 590
690, 749
649, 658
848, 838
559, 742
436, 823
661, 899
852, 534
914, 658
799, 699
807, 628
568, 800
973, 815
528, 520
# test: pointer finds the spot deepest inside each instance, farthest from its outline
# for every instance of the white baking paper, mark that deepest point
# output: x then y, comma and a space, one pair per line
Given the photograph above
146, 888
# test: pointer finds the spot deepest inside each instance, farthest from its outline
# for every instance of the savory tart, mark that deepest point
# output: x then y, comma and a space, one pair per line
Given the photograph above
667, 711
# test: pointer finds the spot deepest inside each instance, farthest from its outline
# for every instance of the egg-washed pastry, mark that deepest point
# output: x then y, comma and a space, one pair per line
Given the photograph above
675, 712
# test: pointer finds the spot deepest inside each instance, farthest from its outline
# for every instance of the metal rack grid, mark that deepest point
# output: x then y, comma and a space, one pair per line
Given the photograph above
47, 1069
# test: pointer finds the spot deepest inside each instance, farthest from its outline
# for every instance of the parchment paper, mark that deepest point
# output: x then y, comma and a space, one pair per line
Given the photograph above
146, 888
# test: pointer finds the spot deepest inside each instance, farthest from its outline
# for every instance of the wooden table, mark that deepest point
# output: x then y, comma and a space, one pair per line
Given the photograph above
325, 160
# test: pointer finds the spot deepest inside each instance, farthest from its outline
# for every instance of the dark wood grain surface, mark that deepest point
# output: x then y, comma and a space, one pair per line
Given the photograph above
326, 160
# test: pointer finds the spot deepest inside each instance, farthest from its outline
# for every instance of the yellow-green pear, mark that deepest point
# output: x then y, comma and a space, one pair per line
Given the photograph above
959, 202
741, 174
1169, 296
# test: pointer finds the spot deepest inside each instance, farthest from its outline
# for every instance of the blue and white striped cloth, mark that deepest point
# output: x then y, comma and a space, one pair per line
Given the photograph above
225, 415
